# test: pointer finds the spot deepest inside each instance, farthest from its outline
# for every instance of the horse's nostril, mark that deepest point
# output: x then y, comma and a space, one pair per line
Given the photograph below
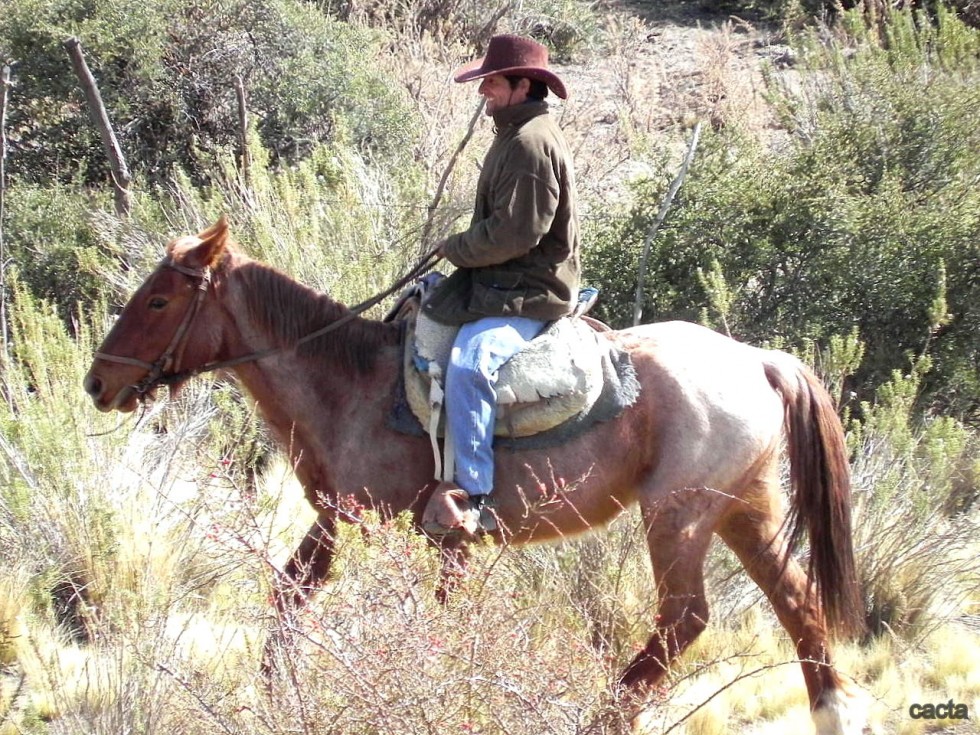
93, 386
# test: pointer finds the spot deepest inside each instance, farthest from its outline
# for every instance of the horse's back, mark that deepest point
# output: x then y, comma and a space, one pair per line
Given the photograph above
702, 360
715, 409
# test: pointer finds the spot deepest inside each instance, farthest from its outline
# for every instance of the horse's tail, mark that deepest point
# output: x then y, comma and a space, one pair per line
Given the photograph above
821, 502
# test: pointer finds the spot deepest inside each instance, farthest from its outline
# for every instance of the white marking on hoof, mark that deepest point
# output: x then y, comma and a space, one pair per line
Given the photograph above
841, 713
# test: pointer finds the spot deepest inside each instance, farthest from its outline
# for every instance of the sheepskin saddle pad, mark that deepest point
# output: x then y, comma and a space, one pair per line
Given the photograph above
568, 376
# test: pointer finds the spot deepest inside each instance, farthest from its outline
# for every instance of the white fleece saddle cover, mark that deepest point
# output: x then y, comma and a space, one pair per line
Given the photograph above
559, 375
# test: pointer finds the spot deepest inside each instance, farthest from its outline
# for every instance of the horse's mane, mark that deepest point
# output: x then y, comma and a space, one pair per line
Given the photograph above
291, 311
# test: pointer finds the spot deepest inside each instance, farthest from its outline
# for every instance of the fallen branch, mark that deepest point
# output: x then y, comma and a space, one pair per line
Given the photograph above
675, 185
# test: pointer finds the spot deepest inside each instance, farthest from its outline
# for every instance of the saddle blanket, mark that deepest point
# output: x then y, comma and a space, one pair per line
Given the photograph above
568, 378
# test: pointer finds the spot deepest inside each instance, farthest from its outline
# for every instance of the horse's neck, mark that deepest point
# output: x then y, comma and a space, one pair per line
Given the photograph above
304, 390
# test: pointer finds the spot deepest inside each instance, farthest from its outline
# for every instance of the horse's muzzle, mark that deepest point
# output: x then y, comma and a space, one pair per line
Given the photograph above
124, 400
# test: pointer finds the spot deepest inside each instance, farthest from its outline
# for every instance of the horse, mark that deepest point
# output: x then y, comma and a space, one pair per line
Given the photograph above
698, 452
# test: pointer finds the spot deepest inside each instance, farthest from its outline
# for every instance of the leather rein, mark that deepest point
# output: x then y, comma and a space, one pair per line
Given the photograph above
157, 374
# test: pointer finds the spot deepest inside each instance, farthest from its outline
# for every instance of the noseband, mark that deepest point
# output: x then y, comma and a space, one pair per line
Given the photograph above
156, 370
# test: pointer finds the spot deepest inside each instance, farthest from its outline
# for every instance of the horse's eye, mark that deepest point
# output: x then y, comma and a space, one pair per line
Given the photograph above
157, 303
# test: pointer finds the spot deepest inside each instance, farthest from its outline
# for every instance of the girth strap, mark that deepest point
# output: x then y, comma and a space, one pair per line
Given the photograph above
444, 462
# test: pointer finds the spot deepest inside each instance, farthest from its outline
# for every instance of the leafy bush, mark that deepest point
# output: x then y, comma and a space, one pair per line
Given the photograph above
566, 26
916, 488
794, 10
51, 243
167, 73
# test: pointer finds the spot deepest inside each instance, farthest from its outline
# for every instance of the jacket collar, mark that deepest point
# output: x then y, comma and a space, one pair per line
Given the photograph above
517, 115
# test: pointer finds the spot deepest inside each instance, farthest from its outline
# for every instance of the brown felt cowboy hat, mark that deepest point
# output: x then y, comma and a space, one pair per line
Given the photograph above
513, 56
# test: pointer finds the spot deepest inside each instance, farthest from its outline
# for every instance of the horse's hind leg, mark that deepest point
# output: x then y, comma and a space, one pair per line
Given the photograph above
754, 533
678, 530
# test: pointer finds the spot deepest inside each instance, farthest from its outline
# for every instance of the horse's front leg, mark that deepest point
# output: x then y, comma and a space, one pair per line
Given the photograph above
307, 568
453, 571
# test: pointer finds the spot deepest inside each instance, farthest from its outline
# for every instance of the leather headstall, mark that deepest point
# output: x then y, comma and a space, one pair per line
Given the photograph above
156, 370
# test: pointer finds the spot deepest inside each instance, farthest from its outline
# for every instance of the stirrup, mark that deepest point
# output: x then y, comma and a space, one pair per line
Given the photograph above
483, 506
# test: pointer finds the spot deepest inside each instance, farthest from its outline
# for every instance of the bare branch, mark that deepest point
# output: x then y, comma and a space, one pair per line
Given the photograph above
245, 159
445, 174
5, 85
117, 163
675, 185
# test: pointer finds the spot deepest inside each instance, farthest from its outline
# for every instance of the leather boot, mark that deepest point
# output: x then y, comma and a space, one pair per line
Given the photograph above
451, 510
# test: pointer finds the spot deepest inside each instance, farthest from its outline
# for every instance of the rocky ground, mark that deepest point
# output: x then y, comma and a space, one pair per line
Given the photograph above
667, 66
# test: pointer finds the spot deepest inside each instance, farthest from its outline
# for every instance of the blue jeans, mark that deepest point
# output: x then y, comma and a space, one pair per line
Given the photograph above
481, 347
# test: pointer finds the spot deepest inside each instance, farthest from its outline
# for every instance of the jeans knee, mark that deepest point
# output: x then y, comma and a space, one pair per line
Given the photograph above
469, 366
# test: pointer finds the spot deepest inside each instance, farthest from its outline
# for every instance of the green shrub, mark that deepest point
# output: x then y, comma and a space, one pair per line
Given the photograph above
167, 73
915, 487
567, 27
797, 10
868, 218
50, 240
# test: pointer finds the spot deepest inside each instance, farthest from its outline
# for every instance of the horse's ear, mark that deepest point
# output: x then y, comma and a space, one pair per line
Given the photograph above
206, 248
218, 229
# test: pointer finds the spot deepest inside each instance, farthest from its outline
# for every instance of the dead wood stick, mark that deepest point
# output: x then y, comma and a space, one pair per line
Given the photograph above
117, 163
675, 185
426, 231
5, 85
245, 159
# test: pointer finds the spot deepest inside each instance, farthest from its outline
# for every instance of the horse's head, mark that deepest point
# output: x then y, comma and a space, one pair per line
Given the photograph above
163, 328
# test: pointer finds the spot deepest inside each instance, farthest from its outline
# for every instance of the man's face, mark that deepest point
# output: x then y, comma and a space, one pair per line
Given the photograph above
499, 94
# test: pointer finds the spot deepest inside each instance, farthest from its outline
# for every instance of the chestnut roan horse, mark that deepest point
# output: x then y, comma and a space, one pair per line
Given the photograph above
698, 452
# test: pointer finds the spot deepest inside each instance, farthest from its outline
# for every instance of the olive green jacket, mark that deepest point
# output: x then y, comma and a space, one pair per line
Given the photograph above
520, 255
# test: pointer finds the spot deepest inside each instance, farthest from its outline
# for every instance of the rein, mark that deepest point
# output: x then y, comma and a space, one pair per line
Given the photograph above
156, 370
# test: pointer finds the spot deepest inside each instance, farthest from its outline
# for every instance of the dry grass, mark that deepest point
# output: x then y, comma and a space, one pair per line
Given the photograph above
532, 643
175, 553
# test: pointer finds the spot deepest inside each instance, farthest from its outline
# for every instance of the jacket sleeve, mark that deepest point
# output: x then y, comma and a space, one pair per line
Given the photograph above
522, 208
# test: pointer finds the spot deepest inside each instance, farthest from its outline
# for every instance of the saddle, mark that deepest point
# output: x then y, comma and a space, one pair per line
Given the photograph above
565, 380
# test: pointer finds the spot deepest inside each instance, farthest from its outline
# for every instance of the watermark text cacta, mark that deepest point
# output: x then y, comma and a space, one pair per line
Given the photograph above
942, 711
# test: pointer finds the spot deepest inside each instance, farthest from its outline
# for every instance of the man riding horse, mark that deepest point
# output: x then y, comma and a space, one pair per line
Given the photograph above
517, 266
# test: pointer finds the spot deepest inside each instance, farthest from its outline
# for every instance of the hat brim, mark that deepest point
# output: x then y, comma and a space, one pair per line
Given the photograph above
475, 70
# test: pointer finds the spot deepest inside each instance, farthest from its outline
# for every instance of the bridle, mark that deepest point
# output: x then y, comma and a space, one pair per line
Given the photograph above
155, 371
157, 374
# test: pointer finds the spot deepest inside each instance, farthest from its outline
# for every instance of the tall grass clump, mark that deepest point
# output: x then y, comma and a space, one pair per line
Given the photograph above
334, 221
917, 486
117, 559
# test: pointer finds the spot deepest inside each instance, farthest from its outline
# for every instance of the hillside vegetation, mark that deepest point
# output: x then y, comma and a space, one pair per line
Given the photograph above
832, 209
